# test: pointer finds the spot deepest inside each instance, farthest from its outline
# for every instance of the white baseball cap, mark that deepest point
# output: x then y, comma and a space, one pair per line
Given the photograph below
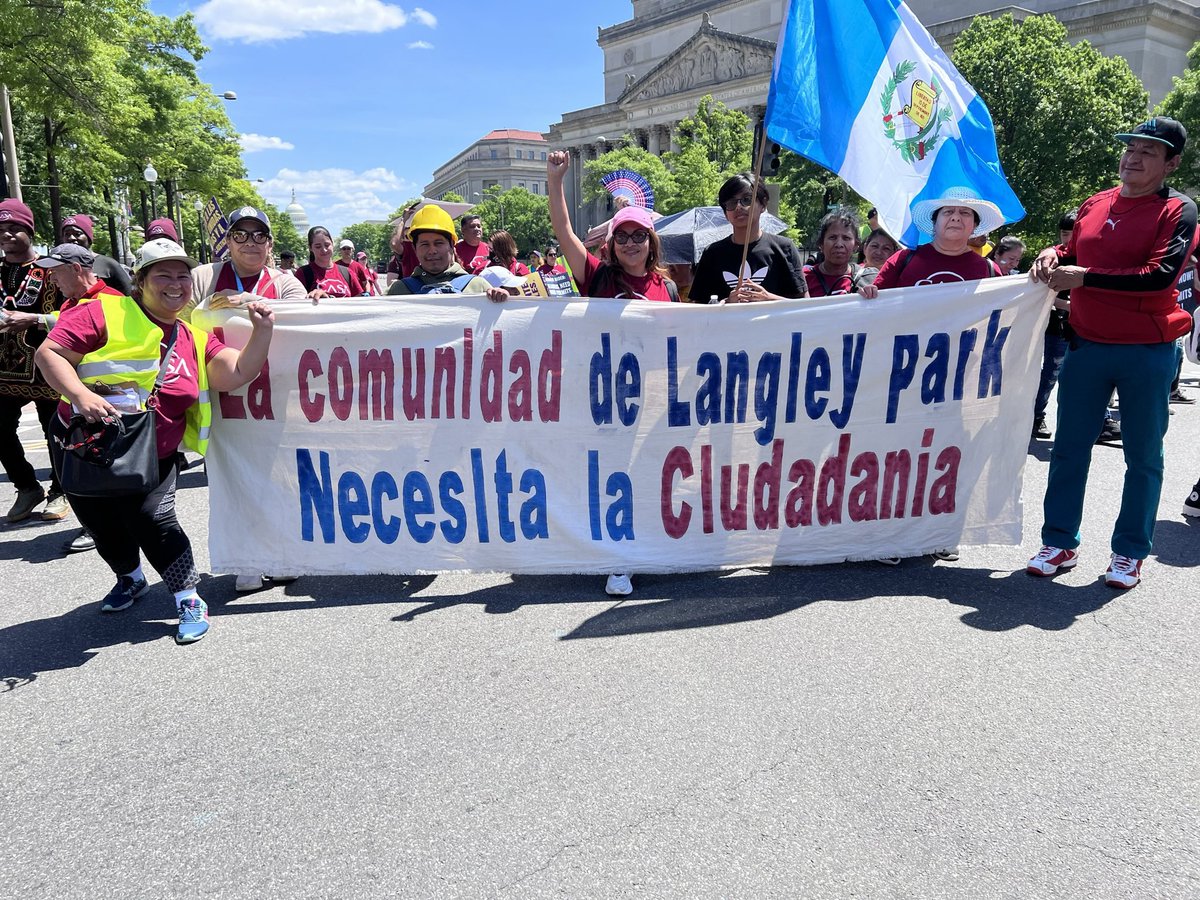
498, 276
161, 250
344, 244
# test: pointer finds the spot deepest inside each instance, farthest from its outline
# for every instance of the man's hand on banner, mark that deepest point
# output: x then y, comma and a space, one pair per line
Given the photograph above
1063, 278
497, 295
1046, 262
868, 291
750, 292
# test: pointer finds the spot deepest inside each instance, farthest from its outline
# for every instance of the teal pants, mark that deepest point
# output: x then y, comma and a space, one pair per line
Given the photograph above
1142, 375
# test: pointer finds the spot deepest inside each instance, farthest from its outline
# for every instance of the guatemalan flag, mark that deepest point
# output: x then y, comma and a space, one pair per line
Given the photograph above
861, 88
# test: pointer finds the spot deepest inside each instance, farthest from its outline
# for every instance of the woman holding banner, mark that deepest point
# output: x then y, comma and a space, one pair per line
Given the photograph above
951, 220
120, 355
633, 271
836, 273
324, 277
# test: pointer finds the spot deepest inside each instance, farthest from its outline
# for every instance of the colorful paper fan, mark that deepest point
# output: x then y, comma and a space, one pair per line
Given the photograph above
626, 183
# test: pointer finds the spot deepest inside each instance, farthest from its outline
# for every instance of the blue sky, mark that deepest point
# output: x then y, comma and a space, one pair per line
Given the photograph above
354, 103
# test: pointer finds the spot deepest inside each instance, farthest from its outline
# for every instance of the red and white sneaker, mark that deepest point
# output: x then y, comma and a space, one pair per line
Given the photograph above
1051, 561
1123, 572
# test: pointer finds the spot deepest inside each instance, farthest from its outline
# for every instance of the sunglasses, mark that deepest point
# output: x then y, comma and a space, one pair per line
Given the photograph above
638, 237
240, 237
734, 203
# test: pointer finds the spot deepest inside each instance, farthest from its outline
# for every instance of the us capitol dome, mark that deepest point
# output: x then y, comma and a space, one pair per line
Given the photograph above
296, 213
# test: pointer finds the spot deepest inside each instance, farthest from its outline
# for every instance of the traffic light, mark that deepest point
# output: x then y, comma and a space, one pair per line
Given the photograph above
771, 160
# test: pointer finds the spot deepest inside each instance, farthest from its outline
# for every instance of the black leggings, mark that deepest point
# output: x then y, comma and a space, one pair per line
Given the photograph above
124, 525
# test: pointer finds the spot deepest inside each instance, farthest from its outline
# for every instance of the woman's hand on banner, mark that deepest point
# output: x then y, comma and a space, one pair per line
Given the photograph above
497, 295
868, 291
231, 300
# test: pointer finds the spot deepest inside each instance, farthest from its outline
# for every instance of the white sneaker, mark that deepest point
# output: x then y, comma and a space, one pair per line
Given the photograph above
246, 583
618, 586
949, 555
1123, 572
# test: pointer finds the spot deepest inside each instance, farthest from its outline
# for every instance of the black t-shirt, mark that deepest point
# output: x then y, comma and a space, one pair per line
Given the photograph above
113, 273
772, 261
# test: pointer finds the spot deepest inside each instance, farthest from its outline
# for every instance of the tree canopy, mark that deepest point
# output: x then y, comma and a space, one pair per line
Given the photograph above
524, 215
1183, 104
100, 88
1055, 106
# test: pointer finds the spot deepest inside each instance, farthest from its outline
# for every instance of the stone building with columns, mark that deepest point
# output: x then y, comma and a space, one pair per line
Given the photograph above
659, 64
502, 159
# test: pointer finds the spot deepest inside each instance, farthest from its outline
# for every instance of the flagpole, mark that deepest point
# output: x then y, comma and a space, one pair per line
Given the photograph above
762, 149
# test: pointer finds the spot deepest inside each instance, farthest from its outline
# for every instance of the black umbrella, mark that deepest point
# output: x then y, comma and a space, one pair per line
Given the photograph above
686, 234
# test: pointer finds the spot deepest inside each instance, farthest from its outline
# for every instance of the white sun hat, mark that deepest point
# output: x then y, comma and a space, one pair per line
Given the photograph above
990, 217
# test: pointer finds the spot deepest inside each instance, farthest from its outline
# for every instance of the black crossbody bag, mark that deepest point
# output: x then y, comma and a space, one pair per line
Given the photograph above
117, 456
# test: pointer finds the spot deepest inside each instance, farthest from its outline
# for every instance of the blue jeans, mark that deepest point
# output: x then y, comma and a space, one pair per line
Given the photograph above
1142, 375
1052, 360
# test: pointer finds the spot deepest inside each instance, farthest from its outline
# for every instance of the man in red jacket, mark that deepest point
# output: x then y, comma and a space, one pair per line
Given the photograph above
1128, 248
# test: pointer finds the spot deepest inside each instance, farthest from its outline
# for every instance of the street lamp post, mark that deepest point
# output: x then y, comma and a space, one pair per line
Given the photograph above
199, 207
151, 176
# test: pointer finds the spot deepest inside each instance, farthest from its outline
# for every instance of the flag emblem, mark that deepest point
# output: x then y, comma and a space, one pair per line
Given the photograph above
925, 113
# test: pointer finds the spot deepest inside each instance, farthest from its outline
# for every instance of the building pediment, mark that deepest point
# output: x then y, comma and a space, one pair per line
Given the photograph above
709, 57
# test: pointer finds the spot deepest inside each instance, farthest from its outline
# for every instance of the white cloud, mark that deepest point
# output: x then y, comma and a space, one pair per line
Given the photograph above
253, 143
336, 198
274, 20
420, 45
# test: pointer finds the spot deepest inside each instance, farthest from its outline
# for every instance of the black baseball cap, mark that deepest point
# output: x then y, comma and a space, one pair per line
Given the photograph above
1161, 129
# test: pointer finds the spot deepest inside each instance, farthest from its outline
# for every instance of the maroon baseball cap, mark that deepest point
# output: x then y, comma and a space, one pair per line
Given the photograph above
83, 223
16, 211
162, 228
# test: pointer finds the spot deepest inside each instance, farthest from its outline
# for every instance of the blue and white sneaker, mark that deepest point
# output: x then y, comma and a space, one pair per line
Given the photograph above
123, 594
193, 620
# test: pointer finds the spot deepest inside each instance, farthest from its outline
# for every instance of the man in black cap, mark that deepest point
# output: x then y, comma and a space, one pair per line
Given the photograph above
1126, 252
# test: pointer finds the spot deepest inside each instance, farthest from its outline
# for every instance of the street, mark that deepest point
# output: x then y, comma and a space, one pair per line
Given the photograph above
933, 730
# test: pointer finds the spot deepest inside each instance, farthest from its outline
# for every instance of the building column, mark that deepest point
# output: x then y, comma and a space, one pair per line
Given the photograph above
655, 143
673, 133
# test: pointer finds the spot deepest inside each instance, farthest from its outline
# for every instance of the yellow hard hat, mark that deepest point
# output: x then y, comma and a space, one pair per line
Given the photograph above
433, 218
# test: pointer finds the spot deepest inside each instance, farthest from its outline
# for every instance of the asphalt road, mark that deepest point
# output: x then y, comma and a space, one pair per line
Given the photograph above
931, 730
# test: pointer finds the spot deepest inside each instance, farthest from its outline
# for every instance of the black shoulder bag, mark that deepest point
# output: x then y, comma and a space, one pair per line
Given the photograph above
114, 457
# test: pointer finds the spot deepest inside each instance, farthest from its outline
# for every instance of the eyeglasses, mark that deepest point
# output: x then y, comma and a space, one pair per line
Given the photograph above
733, 203
638, 237
240, 237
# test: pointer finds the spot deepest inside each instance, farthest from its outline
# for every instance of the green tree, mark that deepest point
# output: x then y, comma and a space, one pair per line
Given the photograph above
634, 158
1183, 104
451, 197
370, 237
806, 193
714, 144
1056, 107
524, 215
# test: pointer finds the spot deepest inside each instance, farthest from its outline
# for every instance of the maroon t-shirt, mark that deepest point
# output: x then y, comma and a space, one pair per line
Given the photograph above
81, 329
330, 280
473, 259
402, 266
644, 287
360, 271
822, 285
547, 269
906, 268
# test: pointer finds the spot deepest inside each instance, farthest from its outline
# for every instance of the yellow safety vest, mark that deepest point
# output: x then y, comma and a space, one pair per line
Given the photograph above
132, 353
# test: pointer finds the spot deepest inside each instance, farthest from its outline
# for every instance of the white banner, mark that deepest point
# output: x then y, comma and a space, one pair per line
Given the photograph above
437, 435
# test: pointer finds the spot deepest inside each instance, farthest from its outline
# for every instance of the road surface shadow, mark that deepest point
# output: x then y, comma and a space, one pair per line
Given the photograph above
997, 601
28, 649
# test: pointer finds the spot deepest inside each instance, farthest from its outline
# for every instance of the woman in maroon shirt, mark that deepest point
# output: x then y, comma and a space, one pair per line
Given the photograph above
323, 277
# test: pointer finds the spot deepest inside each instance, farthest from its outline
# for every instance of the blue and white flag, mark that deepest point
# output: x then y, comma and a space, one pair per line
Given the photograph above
861, 88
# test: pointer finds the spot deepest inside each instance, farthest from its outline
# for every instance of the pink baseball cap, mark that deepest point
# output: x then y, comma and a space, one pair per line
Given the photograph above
635, 214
